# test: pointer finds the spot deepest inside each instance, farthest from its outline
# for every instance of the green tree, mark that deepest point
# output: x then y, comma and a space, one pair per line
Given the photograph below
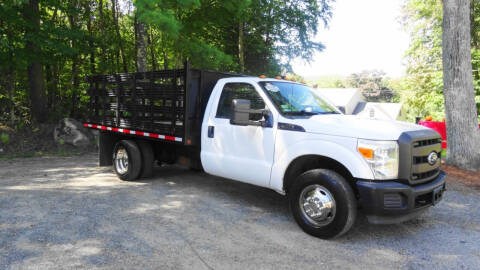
372, 83
33, 35
463, 136
47, 48
424, 80
423, 20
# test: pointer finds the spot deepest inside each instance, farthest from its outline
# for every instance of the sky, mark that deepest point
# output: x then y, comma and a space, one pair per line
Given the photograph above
362, 35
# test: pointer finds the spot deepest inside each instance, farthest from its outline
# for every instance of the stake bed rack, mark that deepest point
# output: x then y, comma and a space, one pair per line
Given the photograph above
167, 105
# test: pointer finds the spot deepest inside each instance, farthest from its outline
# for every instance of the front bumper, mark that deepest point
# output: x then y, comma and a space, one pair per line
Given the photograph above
386, 202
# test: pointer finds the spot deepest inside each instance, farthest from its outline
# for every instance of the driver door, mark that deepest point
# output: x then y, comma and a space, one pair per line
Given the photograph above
243, 153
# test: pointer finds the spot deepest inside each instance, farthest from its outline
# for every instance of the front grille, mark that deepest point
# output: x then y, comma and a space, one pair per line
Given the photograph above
426, 142
419, 160
421, 169
424, 159
419, 176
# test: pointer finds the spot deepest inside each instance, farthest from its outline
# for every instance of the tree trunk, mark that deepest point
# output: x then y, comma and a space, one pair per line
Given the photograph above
49, 82
164, 52
55, 80
102, 38
463, 135
268, 27
165, 59
119, 37
241, 52
11, 90
152, 49
36, 87
141, 46
75, 79
75, 84
11, 76
474, 36
52, 85
90, 41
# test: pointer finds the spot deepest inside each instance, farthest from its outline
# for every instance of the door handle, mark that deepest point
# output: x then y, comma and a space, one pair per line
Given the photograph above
211, 131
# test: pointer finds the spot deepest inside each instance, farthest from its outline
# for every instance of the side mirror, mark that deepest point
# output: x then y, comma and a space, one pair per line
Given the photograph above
241, 112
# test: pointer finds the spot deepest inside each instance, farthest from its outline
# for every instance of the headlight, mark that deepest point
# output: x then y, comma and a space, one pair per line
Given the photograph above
382, 156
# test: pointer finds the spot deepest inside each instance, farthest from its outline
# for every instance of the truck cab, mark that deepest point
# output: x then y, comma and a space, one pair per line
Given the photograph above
287, 137
302, 131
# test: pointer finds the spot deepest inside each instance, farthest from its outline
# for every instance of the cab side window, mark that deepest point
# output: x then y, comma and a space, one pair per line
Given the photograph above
233, 91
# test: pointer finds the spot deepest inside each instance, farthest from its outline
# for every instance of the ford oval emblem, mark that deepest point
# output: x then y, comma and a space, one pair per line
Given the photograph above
432, 158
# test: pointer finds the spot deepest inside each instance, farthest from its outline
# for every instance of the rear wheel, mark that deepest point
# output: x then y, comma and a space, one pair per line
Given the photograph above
127, 160
196, 165
148, 158
323, 203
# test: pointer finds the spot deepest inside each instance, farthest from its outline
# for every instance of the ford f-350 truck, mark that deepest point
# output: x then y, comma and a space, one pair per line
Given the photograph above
272, 133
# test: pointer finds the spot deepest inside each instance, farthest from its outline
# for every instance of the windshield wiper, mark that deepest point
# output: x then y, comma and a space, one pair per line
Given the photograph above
310, 113
301, 113
333, 112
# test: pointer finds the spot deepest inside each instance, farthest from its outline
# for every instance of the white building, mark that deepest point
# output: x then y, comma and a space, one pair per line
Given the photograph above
351, 101
346, 99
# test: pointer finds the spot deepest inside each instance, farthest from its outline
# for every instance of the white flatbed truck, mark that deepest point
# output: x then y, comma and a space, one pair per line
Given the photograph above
272, 133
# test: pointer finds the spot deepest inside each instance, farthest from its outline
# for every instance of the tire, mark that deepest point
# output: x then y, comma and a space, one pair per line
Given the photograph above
322, 186
129, 170
196, 165
148, 158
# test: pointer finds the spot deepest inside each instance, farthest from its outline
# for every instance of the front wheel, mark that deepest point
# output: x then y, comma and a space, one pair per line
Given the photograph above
323, 203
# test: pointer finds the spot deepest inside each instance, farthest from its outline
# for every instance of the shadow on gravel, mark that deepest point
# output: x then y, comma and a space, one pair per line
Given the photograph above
269, 201
69, 213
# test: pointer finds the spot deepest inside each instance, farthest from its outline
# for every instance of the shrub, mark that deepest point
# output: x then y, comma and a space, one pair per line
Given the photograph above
4, 138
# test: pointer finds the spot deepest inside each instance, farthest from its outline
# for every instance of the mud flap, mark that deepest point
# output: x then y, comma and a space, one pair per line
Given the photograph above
106, 143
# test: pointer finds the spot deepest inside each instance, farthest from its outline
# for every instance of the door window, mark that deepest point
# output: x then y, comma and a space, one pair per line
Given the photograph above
233, 91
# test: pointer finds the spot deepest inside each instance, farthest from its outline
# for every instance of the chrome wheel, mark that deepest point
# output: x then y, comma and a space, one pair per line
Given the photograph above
317, 205
121, 160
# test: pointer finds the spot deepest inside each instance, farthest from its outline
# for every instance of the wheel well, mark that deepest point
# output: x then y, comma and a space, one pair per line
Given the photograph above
310, 162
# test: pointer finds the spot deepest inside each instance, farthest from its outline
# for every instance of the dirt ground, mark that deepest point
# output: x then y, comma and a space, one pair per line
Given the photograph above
468, 178
67, 213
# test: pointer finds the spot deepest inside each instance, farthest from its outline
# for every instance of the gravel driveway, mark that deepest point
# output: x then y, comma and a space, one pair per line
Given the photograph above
65, 212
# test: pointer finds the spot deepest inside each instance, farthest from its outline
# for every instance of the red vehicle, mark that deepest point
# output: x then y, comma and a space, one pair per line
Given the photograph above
438, 127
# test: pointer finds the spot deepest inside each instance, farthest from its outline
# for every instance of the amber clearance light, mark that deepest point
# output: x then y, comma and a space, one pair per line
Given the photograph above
366, 152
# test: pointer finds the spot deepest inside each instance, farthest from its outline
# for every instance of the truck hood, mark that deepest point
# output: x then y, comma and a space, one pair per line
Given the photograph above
356, 127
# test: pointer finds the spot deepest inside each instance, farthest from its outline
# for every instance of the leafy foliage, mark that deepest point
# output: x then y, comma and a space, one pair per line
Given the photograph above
372, 84
4, 138
77, 38
424, 80
328, 81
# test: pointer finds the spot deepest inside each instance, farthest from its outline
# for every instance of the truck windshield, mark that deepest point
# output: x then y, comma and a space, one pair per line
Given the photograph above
297, 99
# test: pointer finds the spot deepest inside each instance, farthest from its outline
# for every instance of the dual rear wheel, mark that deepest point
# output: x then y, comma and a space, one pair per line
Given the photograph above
133, 159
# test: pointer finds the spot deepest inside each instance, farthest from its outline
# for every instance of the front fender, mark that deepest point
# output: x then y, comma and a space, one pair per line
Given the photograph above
343, 153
